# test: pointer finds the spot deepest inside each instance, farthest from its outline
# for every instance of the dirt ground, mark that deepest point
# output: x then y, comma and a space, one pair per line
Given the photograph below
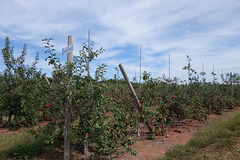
146, 149
181, 134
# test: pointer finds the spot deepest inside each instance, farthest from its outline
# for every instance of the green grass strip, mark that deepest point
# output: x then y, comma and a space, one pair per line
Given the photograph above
22, 145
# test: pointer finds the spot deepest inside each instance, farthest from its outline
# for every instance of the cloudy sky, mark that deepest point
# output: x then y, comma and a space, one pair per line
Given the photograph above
208, 31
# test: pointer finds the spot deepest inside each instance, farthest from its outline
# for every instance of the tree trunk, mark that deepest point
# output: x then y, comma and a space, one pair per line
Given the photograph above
9, 119
1, 119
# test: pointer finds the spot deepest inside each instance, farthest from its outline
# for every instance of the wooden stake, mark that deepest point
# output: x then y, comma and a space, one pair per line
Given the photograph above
85, 145
67, 150
134, 94
70, 54
46, 79
140, 78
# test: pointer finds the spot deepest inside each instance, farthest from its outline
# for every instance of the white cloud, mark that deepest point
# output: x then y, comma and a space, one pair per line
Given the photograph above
208, 31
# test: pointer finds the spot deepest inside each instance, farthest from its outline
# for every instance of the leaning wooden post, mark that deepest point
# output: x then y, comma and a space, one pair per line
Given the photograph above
134, 94
46, 79
67, 150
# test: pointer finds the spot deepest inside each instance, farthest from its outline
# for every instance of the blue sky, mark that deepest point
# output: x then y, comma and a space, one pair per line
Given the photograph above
208, 31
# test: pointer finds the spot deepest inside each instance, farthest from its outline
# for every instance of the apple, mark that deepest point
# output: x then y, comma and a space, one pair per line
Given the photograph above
60, 136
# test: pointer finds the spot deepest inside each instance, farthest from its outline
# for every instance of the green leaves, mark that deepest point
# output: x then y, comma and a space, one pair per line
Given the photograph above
100, 71
19, 91
53, 60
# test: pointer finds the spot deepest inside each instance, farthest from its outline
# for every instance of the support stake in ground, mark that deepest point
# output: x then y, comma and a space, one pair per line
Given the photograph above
134, 94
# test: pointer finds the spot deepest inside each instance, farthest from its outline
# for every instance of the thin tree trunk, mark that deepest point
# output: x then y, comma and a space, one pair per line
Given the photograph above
1, 119
9, 119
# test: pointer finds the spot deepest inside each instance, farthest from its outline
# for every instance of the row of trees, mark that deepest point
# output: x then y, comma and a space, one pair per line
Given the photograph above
104, 115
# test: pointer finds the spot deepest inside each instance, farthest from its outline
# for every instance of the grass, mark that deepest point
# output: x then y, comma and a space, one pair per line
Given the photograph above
21, 145
218, 140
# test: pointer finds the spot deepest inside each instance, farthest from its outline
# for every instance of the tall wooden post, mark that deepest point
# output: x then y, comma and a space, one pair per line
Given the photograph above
67, 150
140, 95
169, 74
70, 54
85, 145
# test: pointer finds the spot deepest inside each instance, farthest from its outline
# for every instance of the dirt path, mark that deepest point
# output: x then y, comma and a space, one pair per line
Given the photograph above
181, 134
